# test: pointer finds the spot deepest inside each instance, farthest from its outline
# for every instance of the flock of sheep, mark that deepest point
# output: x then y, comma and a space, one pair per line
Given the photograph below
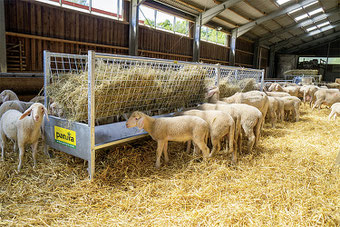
242, 114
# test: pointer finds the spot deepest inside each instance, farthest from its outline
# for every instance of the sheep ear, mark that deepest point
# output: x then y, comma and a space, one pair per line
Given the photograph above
46, 114
26, 113
5, 98
140, 123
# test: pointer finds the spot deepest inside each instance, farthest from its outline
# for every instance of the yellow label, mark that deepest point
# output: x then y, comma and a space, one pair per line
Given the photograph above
65, 136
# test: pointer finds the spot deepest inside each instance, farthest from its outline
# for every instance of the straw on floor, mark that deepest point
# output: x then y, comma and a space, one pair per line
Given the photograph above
290, 179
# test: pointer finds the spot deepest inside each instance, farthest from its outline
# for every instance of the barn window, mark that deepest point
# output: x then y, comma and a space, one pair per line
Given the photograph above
213, 36
163, 21
107, 8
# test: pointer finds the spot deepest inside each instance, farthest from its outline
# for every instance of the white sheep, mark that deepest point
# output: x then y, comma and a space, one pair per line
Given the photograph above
292, 106
327, 97
220, 125
277, 94
248, 117
11, 105
335, 111
164, 129
256, 99
7, 95
22, 129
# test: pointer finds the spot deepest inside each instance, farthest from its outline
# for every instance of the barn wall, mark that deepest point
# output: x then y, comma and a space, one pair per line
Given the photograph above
32, 27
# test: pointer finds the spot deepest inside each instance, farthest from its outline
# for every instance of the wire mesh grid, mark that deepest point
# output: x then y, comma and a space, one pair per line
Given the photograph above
155, 87
66, 81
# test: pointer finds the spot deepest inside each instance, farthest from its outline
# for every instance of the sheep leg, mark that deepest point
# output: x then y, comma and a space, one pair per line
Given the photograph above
21, 155
251, 139
34, 153
216, 145
231, 135
2, 144
203, 147
240, 142
165, 151
188, 146
160, 146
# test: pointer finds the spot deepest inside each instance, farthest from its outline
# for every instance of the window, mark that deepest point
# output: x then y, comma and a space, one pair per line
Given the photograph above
319, 10
213, 36
281, 2
301, 17
163, 21
323, 24
107, 8
311, 28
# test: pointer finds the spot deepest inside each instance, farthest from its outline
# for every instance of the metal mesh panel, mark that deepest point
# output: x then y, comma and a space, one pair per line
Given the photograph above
155, 87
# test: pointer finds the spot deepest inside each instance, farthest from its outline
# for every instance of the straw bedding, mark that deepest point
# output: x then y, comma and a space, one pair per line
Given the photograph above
290, 179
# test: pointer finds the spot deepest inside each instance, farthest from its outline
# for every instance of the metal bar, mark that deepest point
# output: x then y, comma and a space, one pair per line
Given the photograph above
218, 75
133, 28
262, 80
197, 39
91, 109
3, 57
232, 51
120, 141
299, 25
282, 44
47, 64
245, 28
213, 12
312, 43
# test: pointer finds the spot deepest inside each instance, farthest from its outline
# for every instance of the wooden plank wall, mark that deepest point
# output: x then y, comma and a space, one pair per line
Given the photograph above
41, 27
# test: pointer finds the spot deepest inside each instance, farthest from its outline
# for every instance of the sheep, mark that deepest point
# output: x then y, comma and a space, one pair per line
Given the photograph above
164, 129
272, 110
38, 98
257, 99
327, 97
56, 109
220, 125
292, 104
249, 117
280, 112
275, 87
7, 95
277, 94
22, 129
213, 95
11, 105
292, 90
335, 111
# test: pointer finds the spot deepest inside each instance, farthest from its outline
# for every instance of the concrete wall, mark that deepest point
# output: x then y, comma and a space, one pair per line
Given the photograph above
285, 62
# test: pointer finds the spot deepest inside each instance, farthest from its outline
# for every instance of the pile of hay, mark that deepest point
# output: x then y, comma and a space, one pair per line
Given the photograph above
300, 72
122, 89
289, 180
228, 88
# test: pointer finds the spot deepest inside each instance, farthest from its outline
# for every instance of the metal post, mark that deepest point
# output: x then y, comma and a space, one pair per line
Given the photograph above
133, 28
262, 80
197, 39
47, 66
271, 62
91, 110
3, 58
329, 45
218, 75
232, 51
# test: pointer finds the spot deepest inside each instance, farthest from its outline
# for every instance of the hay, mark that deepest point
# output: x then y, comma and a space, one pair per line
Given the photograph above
300, 72
228, 88
289, 180
121, 89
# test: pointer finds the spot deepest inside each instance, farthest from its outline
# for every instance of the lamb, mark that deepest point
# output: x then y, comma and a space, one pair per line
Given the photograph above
7, 95
38, 98
220, 125
257, 99
335, 111
164, 129
22, 129
277, 94
292, 90
292, 105
275, 87
249, 117
11, 105
280, 112
327, 97
308, 91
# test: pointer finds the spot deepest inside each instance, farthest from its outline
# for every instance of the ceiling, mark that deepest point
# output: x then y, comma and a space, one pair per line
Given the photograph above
269, 22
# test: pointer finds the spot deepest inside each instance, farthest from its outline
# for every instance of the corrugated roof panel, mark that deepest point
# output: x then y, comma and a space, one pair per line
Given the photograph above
284, 20
231, 15
245, 9
272, 25
266, 6
297, 32
328, 4
224, 23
